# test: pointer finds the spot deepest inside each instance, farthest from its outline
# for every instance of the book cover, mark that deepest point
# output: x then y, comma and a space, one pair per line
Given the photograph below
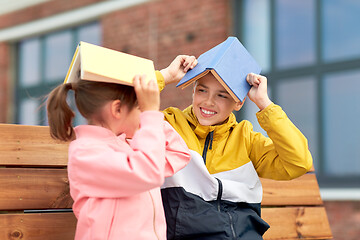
100, 64
230, 63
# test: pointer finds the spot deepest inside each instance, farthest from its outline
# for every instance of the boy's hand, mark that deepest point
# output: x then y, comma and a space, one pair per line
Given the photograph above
258, 91
177, 68
147, 94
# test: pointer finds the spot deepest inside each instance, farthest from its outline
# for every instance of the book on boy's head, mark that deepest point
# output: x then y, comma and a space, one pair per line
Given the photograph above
100, 64
230, 63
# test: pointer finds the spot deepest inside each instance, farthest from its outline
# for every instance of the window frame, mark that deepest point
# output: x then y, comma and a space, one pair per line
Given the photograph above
39, 91
318, 70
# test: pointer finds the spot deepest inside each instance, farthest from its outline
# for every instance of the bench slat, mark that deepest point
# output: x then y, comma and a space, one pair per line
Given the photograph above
54, 226
296, 223
293, 222
300, 191
30, 145
33, 188
39, 188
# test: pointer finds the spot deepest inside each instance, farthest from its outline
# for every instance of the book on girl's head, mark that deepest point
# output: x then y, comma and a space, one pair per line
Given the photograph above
100, 64
230, 63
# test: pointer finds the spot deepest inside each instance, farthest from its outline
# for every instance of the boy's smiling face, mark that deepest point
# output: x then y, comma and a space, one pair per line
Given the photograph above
211, 102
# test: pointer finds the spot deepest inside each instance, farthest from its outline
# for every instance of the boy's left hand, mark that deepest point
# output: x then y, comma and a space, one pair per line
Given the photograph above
258, 91
177, 68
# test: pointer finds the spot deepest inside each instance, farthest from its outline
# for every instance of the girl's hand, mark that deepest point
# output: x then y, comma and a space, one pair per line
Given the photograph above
177, 68
147, 94
258, 91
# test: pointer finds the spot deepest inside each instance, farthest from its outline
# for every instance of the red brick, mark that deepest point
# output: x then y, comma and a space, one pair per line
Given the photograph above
344, 219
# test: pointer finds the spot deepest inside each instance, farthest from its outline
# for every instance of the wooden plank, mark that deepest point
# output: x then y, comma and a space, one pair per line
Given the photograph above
30, 145
32, 188
300, 191
296, 223
54, 226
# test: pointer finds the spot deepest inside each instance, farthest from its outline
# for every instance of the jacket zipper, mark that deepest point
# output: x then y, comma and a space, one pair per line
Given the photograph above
208, 144
218, 199
153, 203
232, 225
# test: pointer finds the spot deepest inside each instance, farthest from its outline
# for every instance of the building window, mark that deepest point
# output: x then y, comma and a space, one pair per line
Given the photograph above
57, 55
310, 53
341, 113
257, 30
43, 64
29, 62
297, 97
294, 33
340, 34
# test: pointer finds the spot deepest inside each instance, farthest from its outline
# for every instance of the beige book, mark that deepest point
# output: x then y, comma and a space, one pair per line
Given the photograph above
100, 64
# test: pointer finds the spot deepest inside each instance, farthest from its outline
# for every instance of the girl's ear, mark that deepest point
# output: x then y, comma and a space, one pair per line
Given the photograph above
239, 105
116, 109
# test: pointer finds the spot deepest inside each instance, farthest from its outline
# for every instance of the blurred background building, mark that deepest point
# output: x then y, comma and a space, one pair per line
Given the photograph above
308, 49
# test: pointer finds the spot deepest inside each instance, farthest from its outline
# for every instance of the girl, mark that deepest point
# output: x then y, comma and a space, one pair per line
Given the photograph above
119, 160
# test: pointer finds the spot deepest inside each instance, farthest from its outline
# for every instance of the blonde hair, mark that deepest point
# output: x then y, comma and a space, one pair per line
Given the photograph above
90, 97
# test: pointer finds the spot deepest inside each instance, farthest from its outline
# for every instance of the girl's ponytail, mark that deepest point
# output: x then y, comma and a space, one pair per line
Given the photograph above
90, 97
59, 113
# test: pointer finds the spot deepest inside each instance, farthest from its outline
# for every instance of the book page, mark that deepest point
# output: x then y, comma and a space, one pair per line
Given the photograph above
187, 83
74, 69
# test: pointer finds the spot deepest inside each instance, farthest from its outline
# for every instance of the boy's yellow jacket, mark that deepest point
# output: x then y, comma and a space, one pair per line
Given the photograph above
281, 156
222, 200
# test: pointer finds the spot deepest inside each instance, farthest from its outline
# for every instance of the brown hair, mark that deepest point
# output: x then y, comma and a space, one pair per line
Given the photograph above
90, 97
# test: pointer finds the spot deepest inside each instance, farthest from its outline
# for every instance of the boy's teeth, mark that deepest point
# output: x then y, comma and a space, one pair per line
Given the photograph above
207, 112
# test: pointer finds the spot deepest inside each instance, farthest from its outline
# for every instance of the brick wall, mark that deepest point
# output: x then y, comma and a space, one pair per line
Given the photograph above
161, 30
344, 218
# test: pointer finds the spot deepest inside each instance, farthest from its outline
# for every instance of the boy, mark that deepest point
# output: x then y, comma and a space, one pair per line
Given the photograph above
218, 194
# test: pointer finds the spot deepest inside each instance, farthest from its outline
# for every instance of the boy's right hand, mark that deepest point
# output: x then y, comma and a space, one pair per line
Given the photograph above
177, 68
147, 94
258, 91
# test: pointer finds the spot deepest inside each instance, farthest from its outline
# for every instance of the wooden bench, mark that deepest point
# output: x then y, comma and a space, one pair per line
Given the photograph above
35, 202
294, 209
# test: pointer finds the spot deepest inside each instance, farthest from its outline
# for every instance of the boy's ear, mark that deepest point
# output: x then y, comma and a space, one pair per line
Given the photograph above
239, 105
116, 109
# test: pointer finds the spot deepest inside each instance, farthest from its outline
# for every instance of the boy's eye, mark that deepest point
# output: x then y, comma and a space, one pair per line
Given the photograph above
201, 90
222, 96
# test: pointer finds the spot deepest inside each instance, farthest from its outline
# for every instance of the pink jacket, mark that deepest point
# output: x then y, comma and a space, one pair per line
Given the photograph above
115, 184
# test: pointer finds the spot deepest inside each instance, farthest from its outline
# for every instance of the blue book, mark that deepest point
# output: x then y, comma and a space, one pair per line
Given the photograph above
230, 63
